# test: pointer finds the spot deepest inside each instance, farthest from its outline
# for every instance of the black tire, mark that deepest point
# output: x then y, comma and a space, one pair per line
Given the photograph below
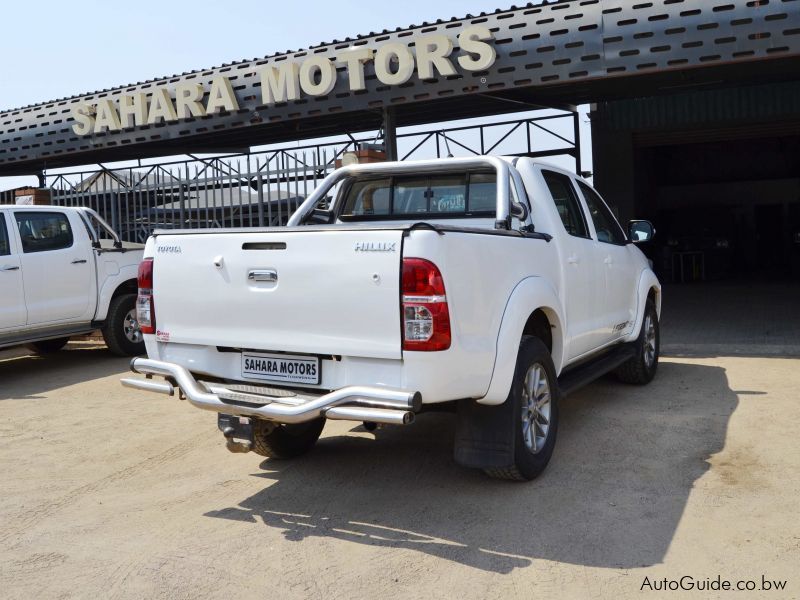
530, 463
47, 346
114, 331
285, 441
641, 369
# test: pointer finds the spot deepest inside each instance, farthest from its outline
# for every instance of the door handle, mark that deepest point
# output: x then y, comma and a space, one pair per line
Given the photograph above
270, 276
80, 261
608, 260
9, 268
573, 260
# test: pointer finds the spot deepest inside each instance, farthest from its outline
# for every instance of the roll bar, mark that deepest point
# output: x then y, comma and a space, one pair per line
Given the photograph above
505, 173
88, 215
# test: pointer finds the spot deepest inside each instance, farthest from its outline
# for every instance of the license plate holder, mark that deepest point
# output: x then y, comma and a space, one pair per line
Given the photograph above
281, 368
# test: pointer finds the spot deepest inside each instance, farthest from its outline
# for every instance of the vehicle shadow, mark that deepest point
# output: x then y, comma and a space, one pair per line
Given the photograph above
626, 461
29, 376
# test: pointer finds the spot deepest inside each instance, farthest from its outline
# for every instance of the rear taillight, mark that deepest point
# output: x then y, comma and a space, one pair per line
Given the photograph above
145, 307
426, 319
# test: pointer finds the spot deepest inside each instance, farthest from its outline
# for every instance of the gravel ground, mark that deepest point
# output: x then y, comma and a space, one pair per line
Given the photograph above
108, 493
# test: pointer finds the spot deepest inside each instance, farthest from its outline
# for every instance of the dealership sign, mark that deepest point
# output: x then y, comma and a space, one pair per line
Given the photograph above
394, 64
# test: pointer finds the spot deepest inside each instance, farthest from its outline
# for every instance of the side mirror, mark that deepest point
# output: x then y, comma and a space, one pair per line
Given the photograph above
519, 210
641, 231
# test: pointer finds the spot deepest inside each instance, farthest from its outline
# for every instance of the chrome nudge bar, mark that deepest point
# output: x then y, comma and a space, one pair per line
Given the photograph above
353, 403
505, 173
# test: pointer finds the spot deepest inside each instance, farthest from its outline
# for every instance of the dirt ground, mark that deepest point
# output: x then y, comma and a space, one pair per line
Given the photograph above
109, 493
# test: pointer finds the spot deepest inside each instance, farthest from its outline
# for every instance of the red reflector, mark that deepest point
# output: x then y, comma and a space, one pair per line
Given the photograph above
425, 316
145, 305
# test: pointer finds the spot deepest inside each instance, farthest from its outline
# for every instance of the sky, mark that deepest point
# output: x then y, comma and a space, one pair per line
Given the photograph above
53, 49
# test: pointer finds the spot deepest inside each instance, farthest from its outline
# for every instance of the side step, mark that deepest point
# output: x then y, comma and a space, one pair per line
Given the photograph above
594, 368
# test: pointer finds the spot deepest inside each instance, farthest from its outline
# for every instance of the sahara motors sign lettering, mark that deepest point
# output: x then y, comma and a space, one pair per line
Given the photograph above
285, 368
395, 63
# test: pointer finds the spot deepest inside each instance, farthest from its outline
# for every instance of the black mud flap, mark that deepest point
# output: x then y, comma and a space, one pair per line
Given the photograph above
484, 435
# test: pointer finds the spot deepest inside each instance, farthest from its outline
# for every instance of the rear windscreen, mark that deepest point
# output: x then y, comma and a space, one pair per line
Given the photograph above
436, 196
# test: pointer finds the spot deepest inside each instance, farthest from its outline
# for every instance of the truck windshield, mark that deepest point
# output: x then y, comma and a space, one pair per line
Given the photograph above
434, 196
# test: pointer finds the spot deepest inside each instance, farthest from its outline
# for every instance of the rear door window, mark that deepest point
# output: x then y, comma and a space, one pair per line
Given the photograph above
567, 204
5, 243
43, 231
608, 230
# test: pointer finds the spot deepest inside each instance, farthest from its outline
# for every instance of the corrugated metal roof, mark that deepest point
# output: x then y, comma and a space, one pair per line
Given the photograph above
752, 103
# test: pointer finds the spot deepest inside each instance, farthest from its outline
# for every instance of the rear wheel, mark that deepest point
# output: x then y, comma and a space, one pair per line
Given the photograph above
641, 369
535, 395
47, 346
121, 332
285, 441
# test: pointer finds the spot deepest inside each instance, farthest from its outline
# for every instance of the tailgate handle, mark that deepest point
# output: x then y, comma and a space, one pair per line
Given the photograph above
268, 275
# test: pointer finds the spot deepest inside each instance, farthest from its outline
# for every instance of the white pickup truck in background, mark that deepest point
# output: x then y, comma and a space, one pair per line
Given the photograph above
64, 272
494, 285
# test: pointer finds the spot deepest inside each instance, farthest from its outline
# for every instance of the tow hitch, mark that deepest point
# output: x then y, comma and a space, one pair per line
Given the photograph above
238, 432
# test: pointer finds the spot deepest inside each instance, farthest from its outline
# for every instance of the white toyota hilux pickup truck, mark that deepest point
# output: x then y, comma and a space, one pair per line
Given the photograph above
64, 272
494, 285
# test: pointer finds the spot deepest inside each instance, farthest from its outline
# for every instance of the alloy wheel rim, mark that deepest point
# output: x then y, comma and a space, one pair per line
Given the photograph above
649, 341
536, 408
130, 326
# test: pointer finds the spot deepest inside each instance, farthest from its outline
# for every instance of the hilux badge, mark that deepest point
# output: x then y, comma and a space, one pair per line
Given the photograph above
376, 247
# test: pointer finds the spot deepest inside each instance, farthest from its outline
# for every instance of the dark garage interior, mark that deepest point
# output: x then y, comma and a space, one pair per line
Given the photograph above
718, 172
737, 202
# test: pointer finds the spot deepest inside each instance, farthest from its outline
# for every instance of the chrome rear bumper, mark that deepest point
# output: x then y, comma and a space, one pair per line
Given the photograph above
352, 403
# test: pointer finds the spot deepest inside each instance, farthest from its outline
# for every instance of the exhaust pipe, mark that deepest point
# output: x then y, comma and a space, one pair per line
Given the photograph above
158, 387
374, 415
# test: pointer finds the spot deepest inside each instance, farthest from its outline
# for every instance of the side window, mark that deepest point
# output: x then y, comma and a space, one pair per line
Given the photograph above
5, 244
43, 231
569, 209
608, 230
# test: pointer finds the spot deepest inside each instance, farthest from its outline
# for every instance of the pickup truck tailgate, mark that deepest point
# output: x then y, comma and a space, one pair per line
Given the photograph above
316, 292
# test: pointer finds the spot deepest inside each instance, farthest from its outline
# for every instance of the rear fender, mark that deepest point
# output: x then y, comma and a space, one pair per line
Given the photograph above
124, 276
529, 295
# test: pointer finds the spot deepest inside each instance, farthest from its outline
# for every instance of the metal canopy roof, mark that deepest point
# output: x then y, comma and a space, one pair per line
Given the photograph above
554, 54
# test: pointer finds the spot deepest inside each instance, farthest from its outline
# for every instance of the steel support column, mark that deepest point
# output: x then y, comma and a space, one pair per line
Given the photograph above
576, 123
390, 132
